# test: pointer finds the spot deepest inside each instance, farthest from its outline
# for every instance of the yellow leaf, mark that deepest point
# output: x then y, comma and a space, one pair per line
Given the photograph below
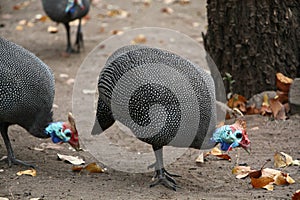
31, 172
282, 159
139, 39
94, 168
269, 187
241, 171
216, 151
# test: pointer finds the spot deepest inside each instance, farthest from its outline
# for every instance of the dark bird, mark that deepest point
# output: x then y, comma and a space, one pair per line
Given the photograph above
165, 100
65, 11
26, 99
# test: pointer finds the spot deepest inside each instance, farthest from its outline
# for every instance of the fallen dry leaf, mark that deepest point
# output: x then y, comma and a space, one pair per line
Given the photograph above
200, 158
242, 171
118, 13
52, 29
237, 101
218, 153
283, 82
41, 18
71, 159
117, 32
22, 22
30, 172
167, 10
262, 182
90, 168
283, 179
19, 28
21, 5
277, 108
140, 39
296, 195
282, 159
283, 97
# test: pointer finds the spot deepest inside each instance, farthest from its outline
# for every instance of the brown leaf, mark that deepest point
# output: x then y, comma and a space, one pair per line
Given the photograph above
255, 174
94, 168
237, 101
42, 18
90, 168
277, 109
167, 10
283, 83
218, 153
296, 195
252, 110
283, 179
283, 97
21, 5
76, 168
117, 32
261, 182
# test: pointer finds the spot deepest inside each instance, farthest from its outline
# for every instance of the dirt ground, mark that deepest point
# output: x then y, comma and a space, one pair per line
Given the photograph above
55, 180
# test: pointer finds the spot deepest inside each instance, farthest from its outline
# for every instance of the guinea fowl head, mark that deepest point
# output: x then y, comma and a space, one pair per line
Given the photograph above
62, 132
231, 136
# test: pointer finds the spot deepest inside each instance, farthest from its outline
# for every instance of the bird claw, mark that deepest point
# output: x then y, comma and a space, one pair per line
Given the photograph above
164, 178
11, 160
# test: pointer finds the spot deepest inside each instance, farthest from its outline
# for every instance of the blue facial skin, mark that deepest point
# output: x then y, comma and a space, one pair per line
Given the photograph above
55, 131
227, 138
71, 6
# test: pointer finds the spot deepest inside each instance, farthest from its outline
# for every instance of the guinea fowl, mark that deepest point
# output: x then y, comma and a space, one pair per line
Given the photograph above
64, 11
26, 99
165, 100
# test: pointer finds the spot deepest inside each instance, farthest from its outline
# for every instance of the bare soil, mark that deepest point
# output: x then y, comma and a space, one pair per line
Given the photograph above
55, 179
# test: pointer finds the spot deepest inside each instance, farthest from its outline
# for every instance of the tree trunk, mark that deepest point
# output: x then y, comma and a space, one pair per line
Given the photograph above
253, 40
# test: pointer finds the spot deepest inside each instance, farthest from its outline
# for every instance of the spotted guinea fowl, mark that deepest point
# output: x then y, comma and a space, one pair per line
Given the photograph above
165, 100
64, 11
26, 99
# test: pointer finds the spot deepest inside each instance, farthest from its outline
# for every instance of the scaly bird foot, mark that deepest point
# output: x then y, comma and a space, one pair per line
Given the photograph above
11, 160
164, 178
172, 175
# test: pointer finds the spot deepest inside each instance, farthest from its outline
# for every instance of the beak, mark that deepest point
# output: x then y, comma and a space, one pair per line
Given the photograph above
245, 144
74, 142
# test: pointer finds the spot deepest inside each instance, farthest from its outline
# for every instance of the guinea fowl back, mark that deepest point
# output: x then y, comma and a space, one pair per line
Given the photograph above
26, 89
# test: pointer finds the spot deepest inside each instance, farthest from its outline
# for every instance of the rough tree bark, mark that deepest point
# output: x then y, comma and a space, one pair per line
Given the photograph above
252, 40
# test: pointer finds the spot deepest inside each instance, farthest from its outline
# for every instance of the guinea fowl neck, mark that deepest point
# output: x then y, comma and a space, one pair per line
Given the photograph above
38, 126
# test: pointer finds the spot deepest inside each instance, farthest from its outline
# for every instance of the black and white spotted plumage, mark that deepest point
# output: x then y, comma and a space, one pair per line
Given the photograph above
26, 89
162, 85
